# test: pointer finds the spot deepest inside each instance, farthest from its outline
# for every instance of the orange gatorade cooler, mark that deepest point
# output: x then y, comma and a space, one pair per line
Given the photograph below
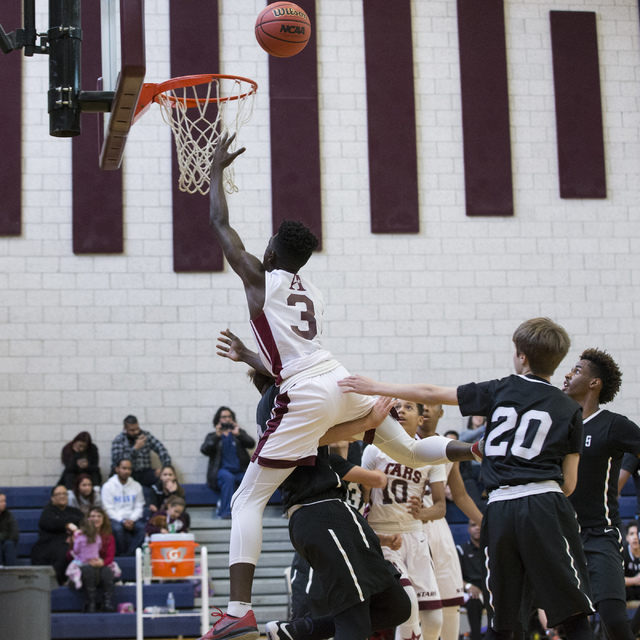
172, 555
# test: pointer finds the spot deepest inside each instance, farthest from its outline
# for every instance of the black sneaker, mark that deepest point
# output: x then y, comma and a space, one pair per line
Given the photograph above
279, 630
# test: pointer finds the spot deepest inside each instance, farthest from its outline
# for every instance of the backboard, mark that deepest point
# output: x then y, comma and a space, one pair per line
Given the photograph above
123, 71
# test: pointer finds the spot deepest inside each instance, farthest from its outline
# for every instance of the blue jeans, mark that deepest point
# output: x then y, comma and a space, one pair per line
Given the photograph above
228, 482
128, 541
8, 553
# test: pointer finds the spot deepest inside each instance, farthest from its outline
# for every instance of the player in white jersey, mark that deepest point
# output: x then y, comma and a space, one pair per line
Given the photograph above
389, 513
285, 311
437, 530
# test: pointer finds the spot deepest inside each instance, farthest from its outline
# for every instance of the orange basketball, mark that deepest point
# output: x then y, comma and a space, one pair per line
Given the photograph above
283, 29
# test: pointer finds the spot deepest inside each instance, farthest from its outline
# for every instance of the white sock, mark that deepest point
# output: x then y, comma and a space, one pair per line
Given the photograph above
238, 609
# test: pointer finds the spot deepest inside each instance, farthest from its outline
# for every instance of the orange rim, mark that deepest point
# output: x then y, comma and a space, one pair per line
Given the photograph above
194, 81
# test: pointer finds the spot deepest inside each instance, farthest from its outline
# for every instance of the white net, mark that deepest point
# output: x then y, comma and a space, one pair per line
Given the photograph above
198, 116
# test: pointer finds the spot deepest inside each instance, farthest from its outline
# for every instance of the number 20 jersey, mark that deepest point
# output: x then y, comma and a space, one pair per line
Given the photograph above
288, 328
531, 427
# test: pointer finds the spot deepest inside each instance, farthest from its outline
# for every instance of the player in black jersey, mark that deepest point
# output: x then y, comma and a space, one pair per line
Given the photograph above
531, 453
593, 381
362, 589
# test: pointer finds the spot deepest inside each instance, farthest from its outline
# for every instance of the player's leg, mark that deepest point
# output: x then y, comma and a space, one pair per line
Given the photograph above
450, 623
247, 507
554, 560
604, 553
505, 570
410, 628
448, 575
431, 623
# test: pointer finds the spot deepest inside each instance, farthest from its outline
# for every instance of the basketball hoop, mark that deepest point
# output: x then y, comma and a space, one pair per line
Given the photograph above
199, 109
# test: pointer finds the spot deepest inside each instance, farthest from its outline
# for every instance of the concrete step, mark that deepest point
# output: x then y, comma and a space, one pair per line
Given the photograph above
261, 587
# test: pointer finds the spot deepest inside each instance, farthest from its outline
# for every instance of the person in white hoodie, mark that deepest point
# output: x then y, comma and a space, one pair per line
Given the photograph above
123, 500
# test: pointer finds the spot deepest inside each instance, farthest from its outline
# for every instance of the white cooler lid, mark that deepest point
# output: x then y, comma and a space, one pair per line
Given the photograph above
172, 537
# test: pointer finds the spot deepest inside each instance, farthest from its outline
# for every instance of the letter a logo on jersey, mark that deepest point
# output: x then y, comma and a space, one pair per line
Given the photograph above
296, 284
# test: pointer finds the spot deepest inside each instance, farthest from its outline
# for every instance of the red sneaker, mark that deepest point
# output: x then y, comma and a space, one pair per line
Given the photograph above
228, 627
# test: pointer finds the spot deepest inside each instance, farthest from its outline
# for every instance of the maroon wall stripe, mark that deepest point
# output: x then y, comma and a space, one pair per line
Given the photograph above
11, 118
576, 77
393, 160
485, 108
97, 195
295, 134
194, 49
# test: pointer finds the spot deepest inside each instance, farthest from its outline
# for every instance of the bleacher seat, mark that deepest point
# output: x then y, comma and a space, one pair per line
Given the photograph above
627, 507
66, 599
629, 488
74, 626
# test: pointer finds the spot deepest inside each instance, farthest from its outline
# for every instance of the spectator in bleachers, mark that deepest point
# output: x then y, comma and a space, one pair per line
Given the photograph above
136, 445
84, 494
57, 522
452, 433
172, 519
226, 447
9, 534
164, 487
81, 573
80, 456
106, 568
123, 500
474, 574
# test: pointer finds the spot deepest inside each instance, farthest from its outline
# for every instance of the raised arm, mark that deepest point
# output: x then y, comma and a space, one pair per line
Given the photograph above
230, 346
246, 265
424, 393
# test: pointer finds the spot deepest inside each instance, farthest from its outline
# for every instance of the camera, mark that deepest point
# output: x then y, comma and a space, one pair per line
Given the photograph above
226, 426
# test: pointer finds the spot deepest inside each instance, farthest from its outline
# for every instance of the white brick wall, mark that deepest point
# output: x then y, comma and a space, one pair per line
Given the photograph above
85, 340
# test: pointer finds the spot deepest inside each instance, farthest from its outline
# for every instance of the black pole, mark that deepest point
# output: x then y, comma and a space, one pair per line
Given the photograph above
65, 39
30, 33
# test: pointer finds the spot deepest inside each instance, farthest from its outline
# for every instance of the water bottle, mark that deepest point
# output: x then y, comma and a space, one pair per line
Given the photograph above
171, 603
146, 561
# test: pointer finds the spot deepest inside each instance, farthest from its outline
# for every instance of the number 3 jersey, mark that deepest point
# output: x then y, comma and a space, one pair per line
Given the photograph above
388, 506
288, 328
531, 427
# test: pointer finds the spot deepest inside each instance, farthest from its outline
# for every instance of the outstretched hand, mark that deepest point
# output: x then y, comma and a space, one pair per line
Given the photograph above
230, 346
381, 410
358, 384
222, 158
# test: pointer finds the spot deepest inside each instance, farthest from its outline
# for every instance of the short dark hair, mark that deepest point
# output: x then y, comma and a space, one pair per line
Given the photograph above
628, 524
261, 381
121, 460
294, 244
216, 417
603, 366
55, 486
544, 342
174, 499
130, 420
453, 432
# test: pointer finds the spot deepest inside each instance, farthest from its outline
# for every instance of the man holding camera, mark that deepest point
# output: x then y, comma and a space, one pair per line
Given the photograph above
228, 457
136, 445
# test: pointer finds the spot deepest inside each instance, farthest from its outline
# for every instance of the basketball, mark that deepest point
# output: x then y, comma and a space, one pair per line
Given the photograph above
283, 29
